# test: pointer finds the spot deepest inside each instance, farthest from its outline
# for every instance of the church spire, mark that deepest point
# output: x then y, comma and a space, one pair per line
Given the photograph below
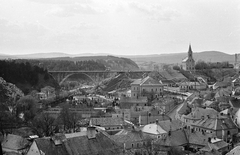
190, 51
190, 48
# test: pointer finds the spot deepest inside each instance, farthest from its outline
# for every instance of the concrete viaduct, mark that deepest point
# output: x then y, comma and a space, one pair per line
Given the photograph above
95, 76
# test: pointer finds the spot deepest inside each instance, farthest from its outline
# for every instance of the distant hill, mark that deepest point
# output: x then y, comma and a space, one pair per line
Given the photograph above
83, 63
207, 56
213, 56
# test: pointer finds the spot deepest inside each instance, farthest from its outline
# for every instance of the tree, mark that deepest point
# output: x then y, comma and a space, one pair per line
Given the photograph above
176, 67
68, 118
44, 124
27, 106
201, 65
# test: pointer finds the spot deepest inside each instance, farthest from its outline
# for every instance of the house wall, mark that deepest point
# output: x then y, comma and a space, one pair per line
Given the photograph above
122, 112
33, 150
137, 90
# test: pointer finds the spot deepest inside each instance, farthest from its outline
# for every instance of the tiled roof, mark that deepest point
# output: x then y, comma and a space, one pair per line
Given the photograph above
185, 59
215, 123
185, 109
128, 136
106, 121
101, 145
14, 142
146, 81
207, 103
168, 125
153, 128
197, 138
47, 146
216, 146
234, 151
235, 102
176, 138
198, 113
138, 81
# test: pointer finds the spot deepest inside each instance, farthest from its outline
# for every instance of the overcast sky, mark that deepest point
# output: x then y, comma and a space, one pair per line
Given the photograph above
119, 27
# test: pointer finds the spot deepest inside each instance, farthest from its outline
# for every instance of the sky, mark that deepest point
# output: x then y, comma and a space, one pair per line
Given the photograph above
119, 27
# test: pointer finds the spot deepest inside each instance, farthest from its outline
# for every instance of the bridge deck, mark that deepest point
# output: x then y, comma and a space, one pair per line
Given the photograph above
111, 71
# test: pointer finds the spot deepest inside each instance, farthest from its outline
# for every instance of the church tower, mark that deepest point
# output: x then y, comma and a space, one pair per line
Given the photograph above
188, 63
190, 51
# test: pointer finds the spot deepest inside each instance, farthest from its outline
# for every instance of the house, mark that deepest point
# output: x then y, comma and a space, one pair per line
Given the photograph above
164, 104
128, 102
221, 84
122, 113
48, 146
146, 87
198, 114
109, 123
15, 144
93, 143
234, 151
221, 127
49, 91
185, 86
41, 96
130, 138
177, 138
216, 145
171, 125
154, 130
236, 82
196, 140
147, 117
188, 63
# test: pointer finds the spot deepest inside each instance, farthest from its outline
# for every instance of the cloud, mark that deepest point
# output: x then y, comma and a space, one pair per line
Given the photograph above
73, 9
61, 1
157, 12
84, 26
15, 35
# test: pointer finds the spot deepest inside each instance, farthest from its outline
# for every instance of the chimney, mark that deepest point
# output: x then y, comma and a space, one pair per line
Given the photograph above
208, 116
209, 140
91, 132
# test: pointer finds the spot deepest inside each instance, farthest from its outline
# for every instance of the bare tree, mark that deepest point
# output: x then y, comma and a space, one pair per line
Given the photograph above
44, 124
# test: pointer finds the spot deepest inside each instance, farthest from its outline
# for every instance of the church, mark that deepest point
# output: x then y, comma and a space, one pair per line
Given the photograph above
188, 63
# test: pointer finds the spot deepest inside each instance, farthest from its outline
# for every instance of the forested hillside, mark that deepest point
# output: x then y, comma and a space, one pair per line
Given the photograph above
64, 65
25, 76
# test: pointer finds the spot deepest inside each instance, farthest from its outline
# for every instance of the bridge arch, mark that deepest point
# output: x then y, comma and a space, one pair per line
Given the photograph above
74, 74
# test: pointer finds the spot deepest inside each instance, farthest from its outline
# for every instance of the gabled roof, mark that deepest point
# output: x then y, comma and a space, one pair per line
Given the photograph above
185, 59
198, 113
15, 142
100, 145
215, 146
106, 121
154, 129
128, 136
234, 151
47, 146
176, 138
146, 81
197, 138
169, 125
215, 123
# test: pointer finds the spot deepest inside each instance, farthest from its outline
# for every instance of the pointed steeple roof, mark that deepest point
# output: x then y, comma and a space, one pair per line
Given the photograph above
190, 48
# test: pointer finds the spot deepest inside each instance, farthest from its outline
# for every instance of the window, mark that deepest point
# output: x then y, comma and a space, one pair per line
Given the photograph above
132, 145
